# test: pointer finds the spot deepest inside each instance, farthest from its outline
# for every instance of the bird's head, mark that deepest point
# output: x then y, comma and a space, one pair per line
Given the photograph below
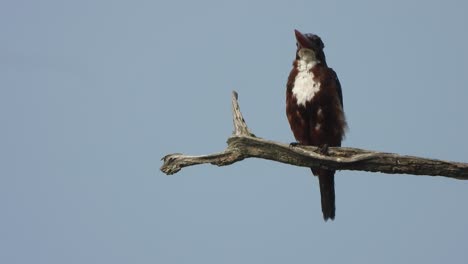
309, 47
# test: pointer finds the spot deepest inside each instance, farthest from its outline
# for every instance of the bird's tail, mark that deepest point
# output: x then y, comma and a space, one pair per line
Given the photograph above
327, 192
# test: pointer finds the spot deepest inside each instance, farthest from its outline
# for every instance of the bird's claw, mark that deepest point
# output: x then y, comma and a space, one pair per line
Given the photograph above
323, 149
294, 144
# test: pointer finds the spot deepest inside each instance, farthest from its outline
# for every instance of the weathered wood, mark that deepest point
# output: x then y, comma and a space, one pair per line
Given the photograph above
243, 144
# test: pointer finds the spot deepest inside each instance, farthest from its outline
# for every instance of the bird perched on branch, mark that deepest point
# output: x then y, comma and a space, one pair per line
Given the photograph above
314, 107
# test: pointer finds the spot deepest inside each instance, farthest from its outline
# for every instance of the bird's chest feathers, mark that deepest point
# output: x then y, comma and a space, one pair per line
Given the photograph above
305, 88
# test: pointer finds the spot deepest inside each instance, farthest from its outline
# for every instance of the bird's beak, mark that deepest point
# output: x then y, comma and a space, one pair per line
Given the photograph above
302, 40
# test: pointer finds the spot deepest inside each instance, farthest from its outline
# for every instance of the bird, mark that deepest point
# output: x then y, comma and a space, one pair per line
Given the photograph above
314, 108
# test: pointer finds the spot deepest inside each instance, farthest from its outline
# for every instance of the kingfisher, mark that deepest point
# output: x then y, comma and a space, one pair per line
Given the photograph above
314, 107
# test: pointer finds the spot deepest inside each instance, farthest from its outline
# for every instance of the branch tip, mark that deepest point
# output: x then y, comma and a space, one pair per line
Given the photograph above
240, 127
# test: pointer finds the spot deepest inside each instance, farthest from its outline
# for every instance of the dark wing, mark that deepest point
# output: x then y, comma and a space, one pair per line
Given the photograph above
338, 87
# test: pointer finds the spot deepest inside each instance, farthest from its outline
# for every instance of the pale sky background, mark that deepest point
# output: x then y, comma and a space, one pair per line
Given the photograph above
94, 93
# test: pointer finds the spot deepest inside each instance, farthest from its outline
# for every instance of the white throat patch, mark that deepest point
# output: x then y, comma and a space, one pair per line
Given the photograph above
304, 85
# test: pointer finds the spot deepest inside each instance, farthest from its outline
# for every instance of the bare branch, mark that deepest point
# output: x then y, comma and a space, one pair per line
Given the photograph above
243, 144
240, 127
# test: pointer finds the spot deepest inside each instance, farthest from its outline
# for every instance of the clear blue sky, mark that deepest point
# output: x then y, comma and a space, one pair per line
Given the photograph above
94, 93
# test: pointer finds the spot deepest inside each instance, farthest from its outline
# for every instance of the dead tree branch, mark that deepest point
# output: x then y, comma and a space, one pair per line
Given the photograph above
243, 144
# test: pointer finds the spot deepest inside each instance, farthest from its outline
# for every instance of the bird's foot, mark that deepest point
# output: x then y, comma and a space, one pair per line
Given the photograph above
323, 149
294, 144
